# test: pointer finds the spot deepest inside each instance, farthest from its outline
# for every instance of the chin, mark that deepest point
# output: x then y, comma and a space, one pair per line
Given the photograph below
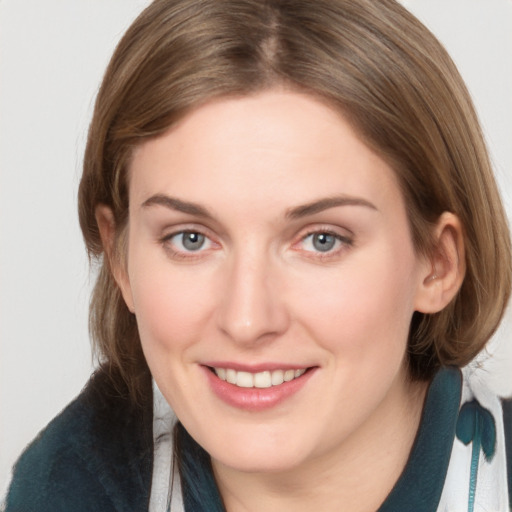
259, 463
271, 452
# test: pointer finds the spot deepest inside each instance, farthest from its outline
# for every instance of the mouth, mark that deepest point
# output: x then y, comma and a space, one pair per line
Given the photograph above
261, 380
257, 390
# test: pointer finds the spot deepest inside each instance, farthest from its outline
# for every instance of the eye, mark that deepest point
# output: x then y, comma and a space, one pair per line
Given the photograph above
324, 242
188, 241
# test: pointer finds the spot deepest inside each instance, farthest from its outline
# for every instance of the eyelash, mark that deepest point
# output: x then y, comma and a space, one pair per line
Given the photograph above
343, 242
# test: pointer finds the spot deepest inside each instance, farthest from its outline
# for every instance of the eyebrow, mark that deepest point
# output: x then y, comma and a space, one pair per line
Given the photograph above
178, 205
326, 203
294, 213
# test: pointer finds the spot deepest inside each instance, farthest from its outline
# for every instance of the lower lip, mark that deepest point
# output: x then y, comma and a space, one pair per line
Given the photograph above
255, 399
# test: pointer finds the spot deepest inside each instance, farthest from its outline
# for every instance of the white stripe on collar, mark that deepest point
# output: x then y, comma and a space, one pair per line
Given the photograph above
491, 489
164, 420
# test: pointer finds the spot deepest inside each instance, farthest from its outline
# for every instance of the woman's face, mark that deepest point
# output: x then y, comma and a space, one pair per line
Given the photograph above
269, 246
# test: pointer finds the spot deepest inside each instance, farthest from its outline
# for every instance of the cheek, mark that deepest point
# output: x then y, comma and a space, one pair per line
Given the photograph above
363, 308
172, 306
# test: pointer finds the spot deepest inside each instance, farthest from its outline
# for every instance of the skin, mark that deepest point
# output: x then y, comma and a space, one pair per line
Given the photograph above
259, 291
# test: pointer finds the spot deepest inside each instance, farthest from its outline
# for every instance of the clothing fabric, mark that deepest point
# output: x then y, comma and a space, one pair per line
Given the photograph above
102, 453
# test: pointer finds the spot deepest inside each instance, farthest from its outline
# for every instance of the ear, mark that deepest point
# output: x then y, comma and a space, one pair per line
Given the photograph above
444, 271
116, 262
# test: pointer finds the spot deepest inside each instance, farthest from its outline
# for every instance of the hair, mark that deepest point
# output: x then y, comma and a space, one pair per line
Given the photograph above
378, 66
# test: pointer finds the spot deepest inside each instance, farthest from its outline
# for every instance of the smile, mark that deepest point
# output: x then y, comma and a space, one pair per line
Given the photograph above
256, 389
264, 379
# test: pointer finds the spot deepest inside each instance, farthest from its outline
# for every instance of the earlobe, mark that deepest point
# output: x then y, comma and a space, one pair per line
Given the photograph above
445, 270
107, 228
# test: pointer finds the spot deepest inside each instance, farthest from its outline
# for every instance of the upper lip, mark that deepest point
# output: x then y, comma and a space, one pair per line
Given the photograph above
256, 368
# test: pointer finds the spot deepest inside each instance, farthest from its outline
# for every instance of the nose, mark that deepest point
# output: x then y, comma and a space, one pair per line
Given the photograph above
252, 308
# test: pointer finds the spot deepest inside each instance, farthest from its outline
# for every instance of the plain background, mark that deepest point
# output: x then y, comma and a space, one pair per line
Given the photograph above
52, 57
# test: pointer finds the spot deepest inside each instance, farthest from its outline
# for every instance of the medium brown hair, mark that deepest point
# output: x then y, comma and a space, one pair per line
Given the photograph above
372, 61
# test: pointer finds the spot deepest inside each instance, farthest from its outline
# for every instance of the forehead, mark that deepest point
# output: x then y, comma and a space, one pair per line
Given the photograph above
248, 148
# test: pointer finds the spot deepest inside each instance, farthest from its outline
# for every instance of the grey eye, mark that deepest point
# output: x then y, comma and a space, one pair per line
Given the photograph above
323, 242
192, 241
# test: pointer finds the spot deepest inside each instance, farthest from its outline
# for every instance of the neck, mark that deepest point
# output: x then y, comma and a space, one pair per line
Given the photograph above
359, 474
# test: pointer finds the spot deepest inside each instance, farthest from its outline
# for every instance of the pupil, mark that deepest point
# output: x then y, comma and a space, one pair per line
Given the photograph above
193, 241
323, 242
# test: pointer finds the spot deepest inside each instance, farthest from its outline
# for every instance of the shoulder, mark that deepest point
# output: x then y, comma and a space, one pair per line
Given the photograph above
95, 455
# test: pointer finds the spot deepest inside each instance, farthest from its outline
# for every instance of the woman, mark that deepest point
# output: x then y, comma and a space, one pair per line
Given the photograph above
301, 243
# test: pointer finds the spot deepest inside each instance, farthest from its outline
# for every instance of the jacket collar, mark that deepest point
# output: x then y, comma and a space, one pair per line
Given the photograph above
420, 486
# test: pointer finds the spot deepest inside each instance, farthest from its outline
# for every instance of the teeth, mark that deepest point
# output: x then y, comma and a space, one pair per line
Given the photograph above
244, 380
264, 379
277, 377
289, 375
230, 376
